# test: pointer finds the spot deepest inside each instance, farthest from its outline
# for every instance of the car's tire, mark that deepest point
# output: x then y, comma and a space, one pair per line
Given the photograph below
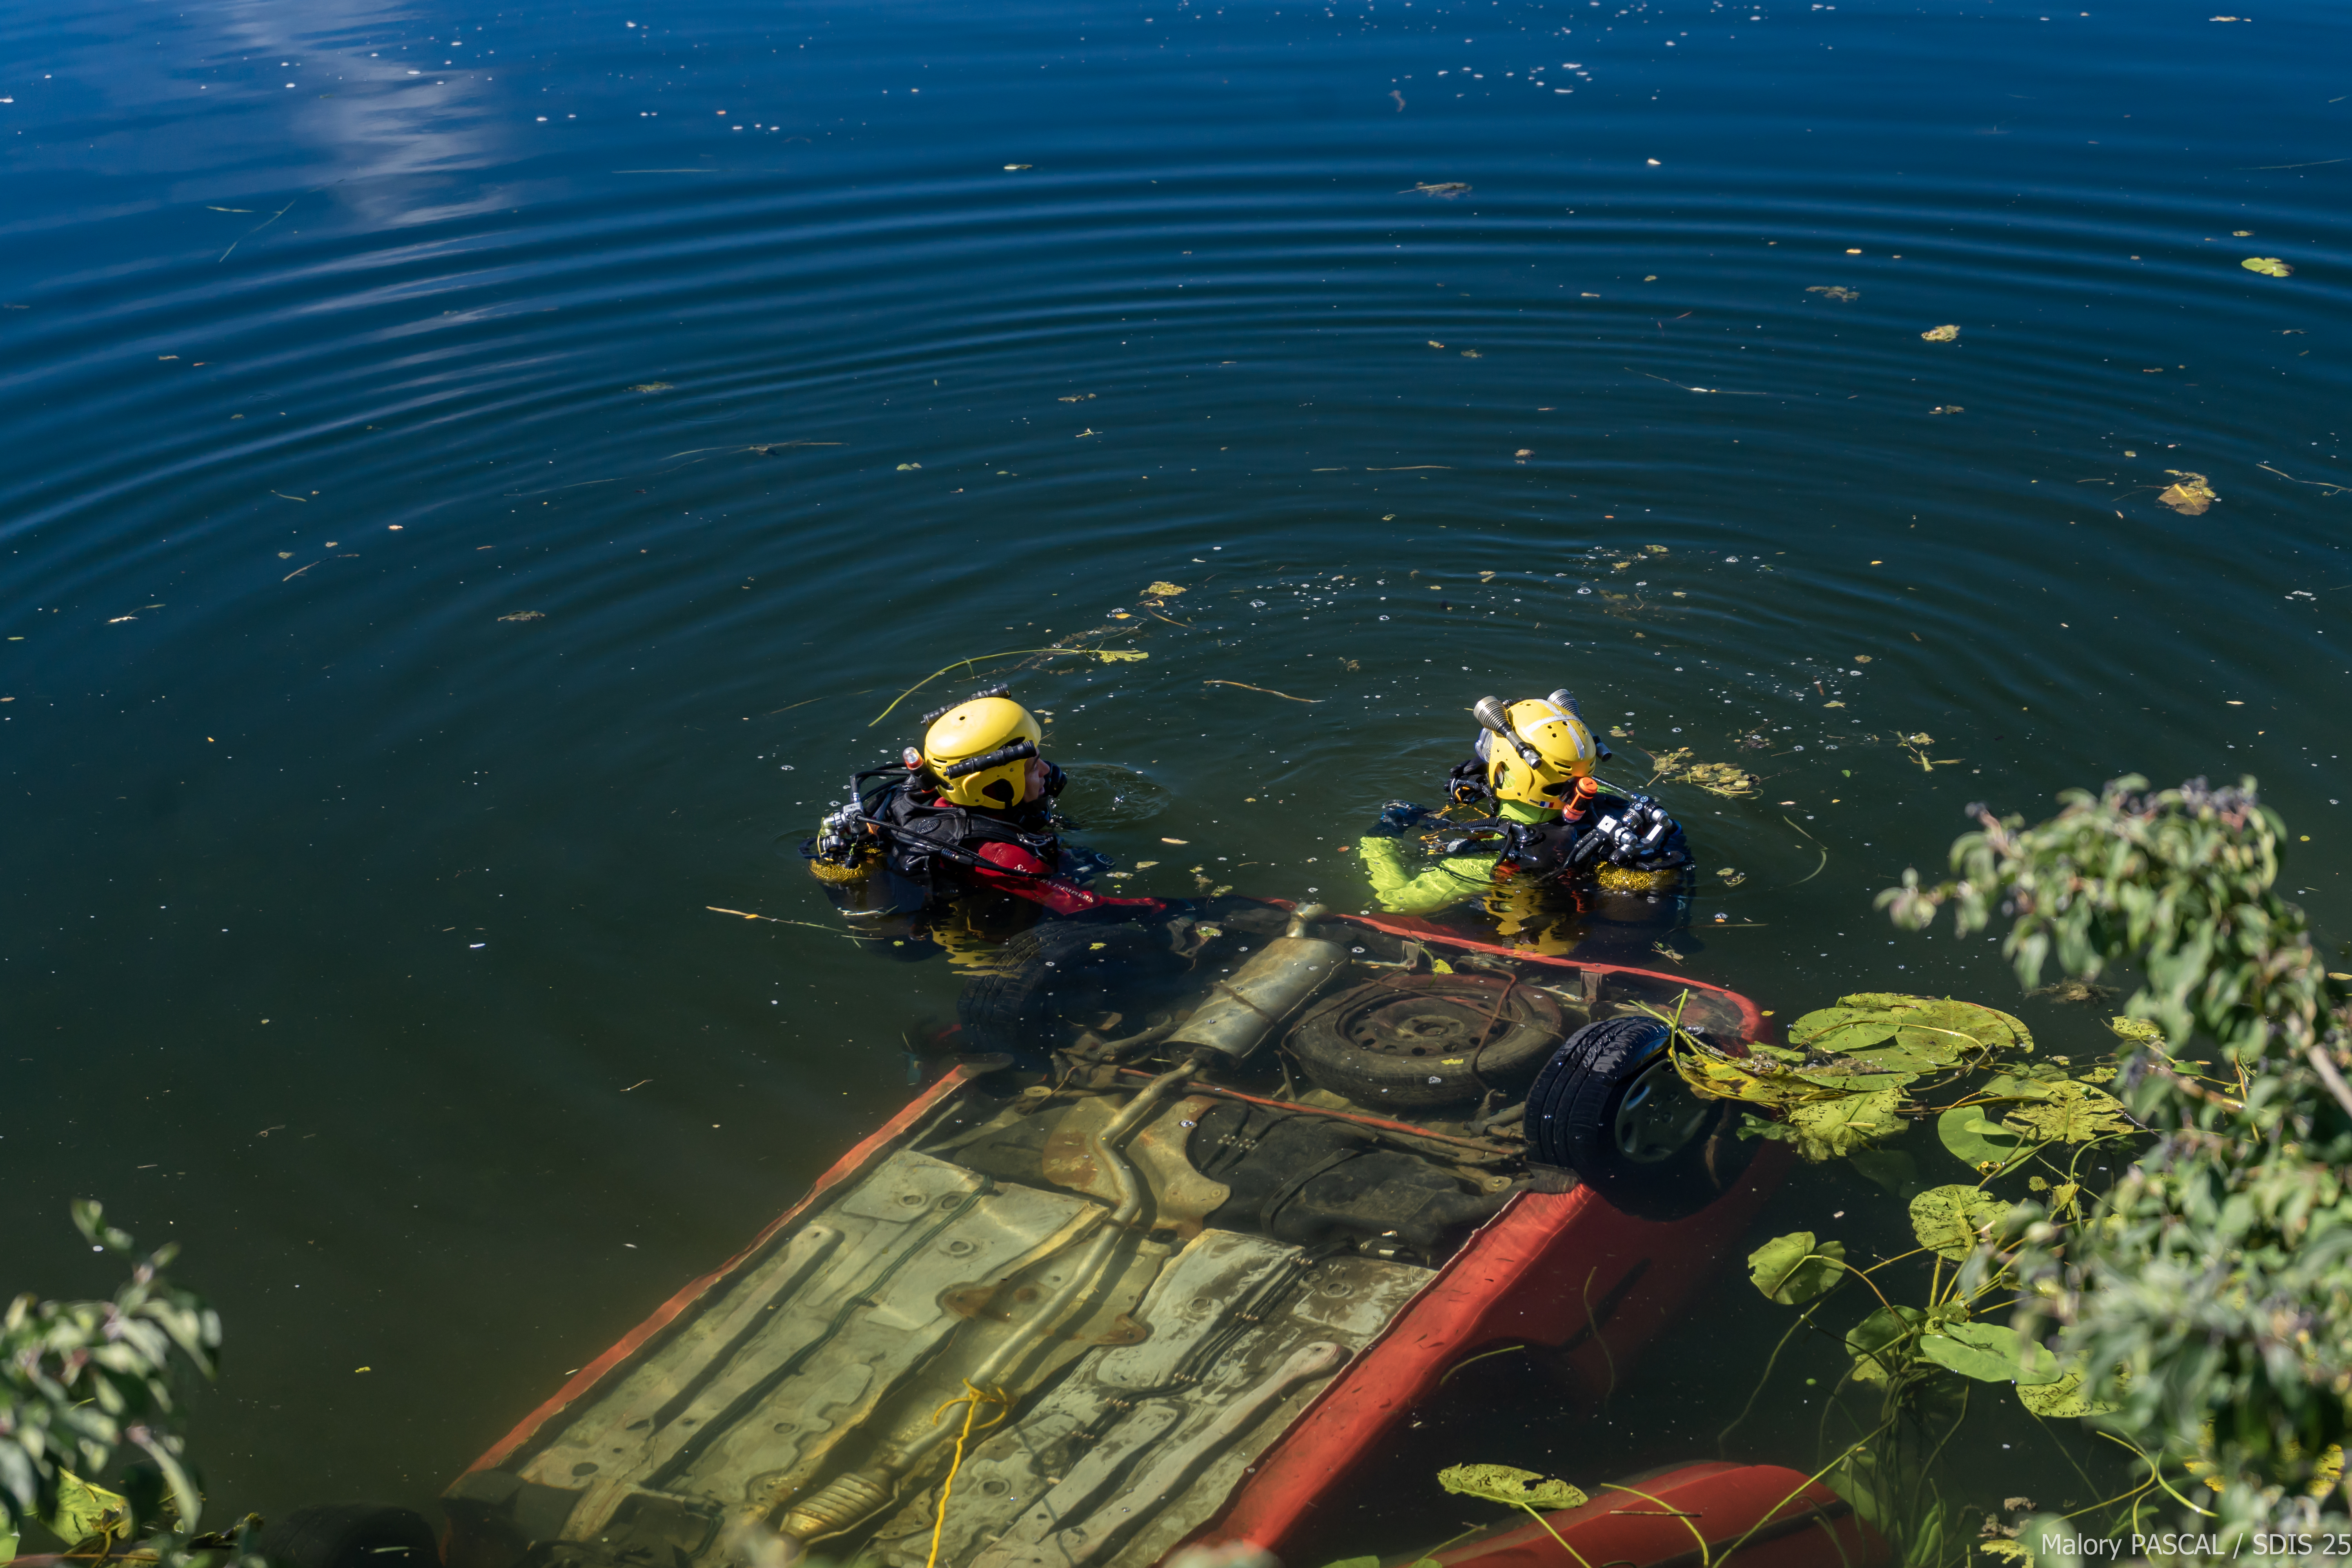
1611, 1107
351, 1535
1414, 1040
1057, 978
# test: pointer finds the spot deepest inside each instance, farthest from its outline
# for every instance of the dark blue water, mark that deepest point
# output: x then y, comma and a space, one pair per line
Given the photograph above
474, 478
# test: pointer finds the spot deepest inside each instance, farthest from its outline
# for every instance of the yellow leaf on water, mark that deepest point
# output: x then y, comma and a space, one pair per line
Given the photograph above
1940, 334
1163, 590
651, 386
2268, 266
2189, 494
1119, 655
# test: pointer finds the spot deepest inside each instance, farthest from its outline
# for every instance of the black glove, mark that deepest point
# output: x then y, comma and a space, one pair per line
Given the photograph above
1395, 818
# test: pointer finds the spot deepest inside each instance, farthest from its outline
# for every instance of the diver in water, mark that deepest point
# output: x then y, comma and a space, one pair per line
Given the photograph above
966, 825
1561, 859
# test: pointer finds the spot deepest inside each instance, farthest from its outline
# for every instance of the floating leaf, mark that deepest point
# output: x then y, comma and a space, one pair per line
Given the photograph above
1447, 189
1793, 1268
1833, 291
2060, 1399
2073, 1114
2268, 266
1977, 1142
1940, 334
2138, 1031
1893, 1169
652, 386
85, 1511
1876, 1343
1990, 1353
2189, 495
1118, 655
1163, 590
1949, 1221
526, 615
1518, 1488
1831, 1128
1837, 1030
1947, 1033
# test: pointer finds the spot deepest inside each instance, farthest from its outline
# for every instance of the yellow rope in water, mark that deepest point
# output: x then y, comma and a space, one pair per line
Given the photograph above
971, 1402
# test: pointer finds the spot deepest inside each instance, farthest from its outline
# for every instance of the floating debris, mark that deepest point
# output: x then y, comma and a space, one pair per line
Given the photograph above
526, 615
2268, 266
1715, 778
2189, 494
1447, 190
1835, 291
1941, 334
653, 386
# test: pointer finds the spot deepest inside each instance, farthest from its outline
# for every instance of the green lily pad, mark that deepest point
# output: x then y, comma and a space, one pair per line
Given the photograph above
1873, 1342
1850, 1035
2268, 266
1990, 1353
1832, 1128
1794, 1269
1949, 1221
2073, 1114
1937, 1032
1849, 1082
1893, 1169
1977, 1142
1903, 1055
1518, 1488
2138, 1031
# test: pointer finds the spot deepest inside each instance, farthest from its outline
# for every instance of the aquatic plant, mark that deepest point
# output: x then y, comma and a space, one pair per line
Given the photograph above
2205, 1300
84, 1384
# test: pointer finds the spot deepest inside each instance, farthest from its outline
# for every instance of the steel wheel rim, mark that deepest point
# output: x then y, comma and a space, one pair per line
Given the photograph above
1659, 1115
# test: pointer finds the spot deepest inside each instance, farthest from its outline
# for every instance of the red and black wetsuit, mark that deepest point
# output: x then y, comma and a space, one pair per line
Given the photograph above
936, 846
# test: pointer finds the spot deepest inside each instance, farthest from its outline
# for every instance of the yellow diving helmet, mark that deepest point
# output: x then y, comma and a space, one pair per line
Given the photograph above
1535, 750
980, 750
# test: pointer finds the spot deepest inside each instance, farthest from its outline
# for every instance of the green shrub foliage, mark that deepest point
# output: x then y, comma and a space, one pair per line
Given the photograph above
2208, 1299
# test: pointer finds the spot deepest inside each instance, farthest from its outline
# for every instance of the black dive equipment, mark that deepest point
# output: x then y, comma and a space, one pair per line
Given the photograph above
889, 818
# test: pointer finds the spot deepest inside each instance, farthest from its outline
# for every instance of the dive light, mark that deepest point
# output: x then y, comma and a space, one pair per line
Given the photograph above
1490, 712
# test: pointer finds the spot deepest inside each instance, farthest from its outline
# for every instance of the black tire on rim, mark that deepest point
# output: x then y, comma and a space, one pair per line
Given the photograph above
1415, 1040
351, 1535
1611, 1107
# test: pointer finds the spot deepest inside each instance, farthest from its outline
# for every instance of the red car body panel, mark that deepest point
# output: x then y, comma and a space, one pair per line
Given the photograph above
1561, 1271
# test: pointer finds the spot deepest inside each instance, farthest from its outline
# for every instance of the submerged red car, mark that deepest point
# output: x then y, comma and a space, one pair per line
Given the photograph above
1171, 1270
